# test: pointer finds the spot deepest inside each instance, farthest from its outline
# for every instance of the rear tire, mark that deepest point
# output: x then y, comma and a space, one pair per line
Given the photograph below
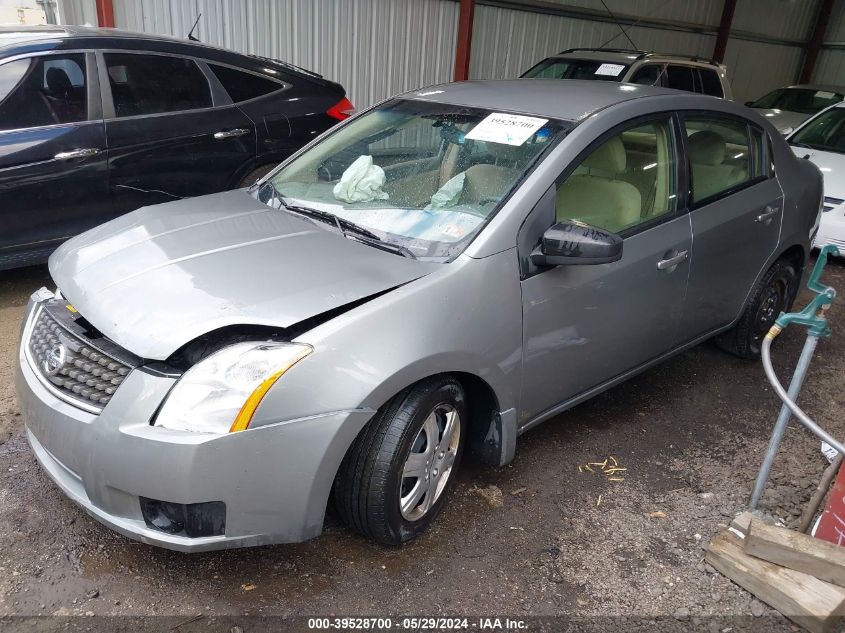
773, 294
422, 431
255, 174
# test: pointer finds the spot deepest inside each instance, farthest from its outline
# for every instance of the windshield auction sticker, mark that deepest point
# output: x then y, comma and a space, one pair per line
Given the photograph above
609, 69
509, 129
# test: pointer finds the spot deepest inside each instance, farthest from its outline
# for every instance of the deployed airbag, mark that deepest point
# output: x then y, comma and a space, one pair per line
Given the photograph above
361, 182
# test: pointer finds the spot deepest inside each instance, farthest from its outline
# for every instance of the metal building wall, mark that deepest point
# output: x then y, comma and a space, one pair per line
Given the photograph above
830, 66
506, 42
77, 12
375, 48
380, 47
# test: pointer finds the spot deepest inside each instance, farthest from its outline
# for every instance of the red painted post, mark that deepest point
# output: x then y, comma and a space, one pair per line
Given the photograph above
815, 43
724, 30
464, 44
105, 13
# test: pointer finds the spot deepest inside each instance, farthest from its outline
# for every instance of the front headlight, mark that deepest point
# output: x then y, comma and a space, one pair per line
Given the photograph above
220, 393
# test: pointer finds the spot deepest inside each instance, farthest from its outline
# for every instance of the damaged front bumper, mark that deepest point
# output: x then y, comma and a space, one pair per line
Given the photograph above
273, 481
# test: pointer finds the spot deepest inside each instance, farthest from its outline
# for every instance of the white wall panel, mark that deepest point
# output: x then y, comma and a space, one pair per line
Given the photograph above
77, 12
692, 11
375, 48
756, 68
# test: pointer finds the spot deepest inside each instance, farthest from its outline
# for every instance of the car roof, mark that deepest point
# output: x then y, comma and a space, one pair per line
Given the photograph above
23, 34
626, 56
825, 87
567, 99
57, 36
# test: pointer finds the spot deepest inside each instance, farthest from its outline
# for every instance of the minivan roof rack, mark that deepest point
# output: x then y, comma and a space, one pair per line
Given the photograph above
641, 54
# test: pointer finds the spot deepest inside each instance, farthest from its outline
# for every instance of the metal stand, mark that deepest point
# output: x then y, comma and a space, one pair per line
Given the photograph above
813, 317
783, 420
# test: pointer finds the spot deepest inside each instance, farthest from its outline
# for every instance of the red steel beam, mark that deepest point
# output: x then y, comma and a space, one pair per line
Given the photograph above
815, 42
464, 45
105, 13
724, 30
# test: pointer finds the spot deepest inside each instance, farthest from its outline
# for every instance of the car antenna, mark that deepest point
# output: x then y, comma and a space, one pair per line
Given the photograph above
193, 28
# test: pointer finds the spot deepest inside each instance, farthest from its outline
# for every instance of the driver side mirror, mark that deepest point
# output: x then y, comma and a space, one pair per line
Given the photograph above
749, 103
576, 243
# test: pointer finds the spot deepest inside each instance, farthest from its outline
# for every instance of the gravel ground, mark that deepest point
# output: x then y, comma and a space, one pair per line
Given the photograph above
539, 537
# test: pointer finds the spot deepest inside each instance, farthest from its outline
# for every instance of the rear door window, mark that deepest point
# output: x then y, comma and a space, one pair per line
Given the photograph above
680, 78
720, 156
43, 90
242, 85
647, 75
154, 84
710, 83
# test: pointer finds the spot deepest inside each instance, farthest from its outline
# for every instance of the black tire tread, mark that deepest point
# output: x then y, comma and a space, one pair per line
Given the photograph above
254, 174
737, 340
362, 481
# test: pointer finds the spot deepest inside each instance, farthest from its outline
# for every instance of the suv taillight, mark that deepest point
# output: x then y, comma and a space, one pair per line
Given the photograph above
343, 109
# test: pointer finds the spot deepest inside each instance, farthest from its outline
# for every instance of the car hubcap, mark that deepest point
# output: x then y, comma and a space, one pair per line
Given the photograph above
429, 464
772, 303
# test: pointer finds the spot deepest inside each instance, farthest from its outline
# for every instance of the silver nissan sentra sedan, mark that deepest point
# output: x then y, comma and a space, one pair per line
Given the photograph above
433, 277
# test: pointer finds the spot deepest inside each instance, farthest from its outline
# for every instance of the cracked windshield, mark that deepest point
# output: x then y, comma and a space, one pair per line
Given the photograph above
419, 177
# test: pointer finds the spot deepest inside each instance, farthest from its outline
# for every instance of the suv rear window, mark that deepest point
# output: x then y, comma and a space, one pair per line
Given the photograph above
710, 84
242, 85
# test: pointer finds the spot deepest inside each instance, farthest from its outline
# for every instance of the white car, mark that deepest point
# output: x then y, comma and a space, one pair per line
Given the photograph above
788, 107
821, 139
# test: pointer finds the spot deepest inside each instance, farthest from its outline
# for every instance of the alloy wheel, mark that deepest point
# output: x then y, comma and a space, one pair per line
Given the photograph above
429, 464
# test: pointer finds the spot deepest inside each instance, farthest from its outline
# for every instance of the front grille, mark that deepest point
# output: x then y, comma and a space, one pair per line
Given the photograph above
831, 203
80, 372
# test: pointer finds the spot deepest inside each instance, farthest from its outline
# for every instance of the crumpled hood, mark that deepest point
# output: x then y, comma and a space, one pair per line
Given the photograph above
782, 119
159, 277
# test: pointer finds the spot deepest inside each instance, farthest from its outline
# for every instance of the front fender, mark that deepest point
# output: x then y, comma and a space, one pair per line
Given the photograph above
465, 317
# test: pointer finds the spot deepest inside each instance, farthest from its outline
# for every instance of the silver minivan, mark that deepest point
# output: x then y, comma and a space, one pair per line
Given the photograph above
435, 276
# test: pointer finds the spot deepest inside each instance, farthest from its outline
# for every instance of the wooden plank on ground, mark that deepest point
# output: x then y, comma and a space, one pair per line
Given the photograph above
797, 551
804, 599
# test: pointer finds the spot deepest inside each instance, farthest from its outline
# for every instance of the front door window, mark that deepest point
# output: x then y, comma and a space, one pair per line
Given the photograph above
43, 90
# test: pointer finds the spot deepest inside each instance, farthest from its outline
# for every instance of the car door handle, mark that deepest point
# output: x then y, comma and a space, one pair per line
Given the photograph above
77, 153
671, 262
765, 218
224, 134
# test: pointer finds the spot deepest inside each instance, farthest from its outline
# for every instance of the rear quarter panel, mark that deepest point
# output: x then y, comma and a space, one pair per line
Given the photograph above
803, 189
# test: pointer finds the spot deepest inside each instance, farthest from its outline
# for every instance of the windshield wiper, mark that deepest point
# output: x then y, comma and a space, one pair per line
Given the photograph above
346, 227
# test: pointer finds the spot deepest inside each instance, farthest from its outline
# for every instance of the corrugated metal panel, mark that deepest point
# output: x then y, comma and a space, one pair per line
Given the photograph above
707, 12
78, 12
506, 43
830, 67
791, 19
756, 68
836, 26
375, 48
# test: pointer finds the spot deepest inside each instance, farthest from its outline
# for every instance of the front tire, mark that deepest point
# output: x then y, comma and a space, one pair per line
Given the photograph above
773, 294
255, 174
396, 476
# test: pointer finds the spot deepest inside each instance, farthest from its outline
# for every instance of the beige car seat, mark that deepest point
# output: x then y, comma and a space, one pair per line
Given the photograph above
599, 196
710, 173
